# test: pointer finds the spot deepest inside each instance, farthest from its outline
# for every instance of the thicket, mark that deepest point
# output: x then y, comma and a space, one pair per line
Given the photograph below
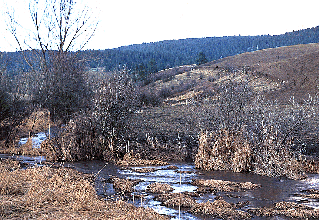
251, 134
99, 131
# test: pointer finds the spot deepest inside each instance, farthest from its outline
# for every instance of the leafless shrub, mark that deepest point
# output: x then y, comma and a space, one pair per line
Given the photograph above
252, 134
114, 102
148, 98
165, 92
77, 140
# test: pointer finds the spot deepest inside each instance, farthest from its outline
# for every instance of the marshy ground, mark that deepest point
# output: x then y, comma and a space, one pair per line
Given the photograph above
230, 137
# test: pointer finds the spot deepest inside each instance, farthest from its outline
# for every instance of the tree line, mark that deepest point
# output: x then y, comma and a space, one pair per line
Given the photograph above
141, 59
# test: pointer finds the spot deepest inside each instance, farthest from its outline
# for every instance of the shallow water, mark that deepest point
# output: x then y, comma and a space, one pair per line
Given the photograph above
272, 190
25, 160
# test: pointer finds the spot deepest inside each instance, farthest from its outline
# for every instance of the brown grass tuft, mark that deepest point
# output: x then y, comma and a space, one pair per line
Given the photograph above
124, 185
176, 200
225, 186
287, 209
134, 160
58, 193
219, 209
159, 188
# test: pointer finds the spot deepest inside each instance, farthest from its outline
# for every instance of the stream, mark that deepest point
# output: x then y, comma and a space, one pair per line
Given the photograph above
272, 190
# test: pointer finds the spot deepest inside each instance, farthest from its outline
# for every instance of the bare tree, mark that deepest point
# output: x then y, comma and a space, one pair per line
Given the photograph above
59, 28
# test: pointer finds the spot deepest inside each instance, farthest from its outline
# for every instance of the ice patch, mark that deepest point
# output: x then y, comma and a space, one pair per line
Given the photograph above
36, 140
312, 181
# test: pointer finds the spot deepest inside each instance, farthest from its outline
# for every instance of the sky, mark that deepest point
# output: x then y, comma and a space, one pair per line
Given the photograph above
125, 22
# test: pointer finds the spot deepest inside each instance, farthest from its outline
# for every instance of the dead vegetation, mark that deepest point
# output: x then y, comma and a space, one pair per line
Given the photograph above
145, 170
225, 186
287, 209
223, 151
159, 188
219, 209
184, 200
58, 193
134, 160
123, 185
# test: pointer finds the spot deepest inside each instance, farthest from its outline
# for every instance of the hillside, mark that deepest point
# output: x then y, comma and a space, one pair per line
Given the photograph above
190, 96
294, 67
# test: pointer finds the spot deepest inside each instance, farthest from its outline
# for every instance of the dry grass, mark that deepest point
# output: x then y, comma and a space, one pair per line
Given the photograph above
57, 193
124, 185
227, 151
134, 160
225, 186
145, 170
219, 209
159, 188
223, 151
287, 209
176, 199
294, 67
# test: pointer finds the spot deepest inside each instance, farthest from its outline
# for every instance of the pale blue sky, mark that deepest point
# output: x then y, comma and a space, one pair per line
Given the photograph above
124, 22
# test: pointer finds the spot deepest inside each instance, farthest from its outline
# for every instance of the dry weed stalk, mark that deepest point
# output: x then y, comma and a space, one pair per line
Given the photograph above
223, 151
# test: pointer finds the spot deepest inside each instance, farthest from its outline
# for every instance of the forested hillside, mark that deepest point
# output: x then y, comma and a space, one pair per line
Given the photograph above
151, 57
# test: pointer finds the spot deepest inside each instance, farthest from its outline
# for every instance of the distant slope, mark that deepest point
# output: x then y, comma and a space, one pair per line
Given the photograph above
295, 67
